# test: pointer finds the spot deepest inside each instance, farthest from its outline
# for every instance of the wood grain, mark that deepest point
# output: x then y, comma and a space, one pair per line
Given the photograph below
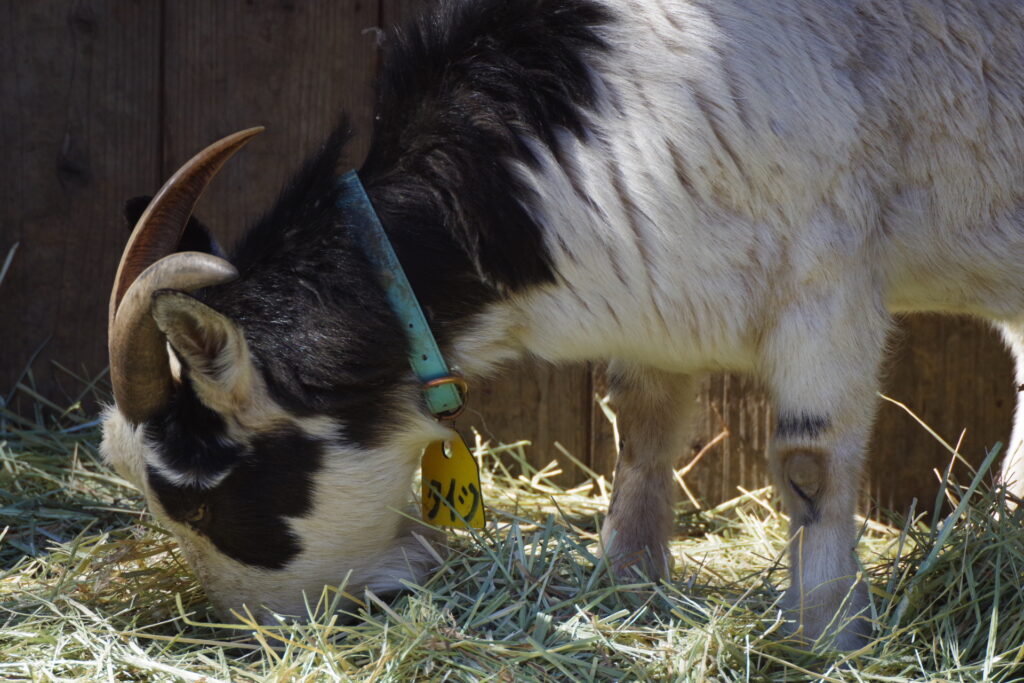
541, 403
736, 405
293, 67
80, 113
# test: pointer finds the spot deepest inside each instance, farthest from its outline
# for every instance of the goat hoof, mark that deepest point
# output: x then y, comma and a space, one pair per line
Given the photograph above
633, 561
827, 631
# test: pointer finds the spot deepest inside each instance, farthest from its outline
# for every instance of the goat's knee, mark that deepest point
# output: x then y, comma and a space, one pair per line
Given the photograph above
803, 481
805, 473
826, 596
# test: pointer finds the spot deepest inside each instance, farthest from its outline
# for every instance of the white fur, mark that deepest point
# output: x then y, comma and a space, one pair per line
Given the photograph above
123, 447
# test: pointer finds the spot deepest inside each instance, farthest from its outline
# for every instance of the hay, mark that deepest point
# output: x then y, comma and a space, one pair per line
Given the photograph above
91, 589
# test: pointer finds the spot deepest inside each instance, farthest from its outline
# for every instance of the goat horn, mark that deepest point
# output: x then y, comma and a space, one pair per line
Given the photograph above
139, 371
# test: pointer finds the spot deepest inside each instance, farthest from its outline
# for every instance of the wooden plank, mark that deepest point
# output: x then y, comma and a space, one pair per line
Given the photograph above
541, 403
737, 406
293, 67
79, 136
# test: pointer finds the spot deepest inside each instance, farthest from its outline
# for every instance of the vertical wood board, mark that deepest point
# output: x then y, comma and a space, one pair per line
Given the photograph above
955, 374
80, 112
294, 67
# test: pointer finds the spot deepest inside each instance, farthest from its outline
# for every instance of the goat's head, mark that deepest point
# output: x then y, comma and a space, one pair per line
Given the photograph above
270, 503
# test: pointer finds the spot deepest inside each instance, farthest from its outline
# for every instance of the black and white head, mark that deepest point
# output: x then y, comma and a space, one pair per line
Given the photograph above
279, 461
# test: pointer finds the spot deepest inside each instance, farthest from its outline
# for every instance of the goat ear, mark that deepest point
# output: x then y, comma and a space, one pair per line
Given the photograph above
196, 236
210, 345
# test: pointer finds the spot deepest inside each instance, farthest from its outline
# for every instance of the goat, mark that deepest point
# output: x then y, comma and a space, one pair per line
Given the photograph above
679, 186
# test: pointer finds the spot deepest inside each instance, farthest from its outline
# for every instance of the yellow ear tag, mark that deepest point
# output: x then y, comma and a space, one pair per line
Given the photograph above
452, 495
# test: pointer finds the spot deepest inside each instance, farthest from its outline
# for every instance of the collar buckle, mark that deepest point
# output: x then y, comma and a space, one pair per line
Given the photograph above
463, 390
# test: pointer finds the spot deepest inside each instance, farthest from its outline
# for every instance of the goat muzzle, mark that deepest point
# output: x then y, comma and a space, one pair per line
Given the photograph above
139, 370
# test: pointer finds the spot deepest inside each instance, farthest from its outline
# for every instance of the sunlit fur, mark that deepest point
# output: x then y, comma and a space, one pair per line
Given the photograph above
680, 186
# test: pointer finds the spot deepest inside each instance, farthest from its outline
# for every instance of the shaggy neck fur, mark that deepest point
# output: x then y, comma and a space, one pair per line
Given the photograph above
465, 96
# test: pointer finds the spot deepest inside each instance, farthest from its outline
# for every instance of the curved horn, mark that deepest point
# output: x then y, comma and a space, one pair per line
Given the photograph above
139, 371
159, 228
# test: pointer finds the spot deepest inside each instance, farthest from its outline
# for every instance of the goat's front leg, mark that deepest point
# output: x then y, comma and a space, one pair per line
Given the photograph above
654, 411
821, 364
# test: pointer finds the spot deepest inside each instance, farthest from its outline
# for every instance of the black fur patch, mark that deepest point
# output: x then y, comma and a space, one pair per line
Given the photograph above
244, 515
801, 426
192, 438
461, 93
317, 323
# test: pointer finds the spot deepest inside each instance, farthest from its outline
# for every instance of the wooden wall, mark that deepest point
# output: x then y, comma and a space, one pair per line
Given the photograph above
103, 99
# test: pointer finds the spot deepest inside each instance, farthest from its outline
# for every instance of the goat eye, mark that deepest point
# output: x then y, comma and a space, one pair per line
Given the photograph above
198, 515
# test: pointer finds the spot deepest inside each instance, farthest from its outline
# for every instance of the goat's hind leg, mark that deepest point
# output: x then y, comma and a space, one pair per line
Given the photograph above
654, 411
1012, 473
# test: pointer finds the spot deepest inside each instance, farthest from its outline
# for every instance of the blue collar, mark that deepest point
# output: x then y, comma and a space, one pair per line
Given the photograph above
441, 388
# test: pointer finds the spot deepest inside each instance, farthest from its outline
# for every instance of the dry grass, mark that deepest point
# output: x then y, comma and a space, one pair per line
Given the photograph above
91, 589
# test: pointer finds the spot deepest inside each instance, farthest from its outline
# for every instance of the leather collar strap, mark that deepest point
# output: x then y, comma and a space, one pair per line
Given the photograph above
440, 390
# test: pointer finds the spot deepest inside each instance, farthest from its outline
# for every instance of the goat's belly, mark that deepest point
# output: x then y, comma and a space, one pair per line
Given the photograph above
955, 270
668, 335
996, 294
